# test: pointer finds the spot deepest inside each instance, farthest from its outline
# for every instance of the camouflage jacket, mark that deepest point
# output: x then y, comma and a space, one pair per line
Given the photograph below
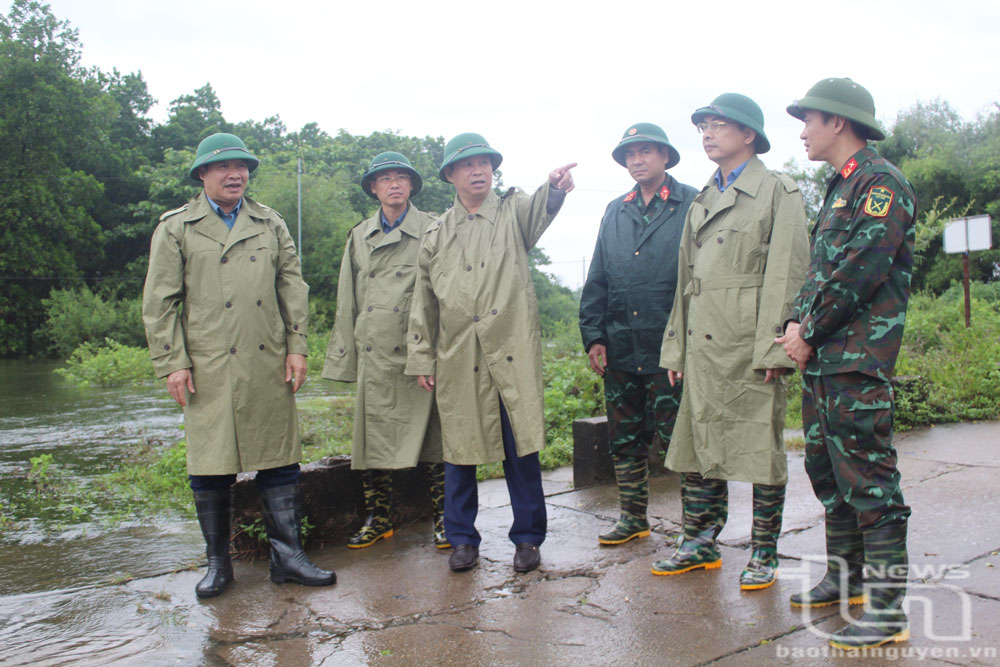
853, 304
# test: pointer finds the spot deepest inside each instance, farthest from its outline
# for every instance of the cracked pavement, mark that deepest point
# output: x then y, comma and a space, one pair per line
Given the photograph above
398, 603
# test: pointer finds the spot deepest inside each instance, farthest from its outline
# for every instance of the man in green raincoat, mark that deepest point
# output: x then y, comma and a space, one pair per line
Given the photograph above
474, 338
225, 310
743, 257
623, 311
395, 421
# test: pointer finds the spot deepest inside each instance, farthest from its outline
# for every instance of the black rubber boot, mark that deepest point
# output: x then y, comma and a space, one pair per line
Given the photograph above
288, 561
845, 548
213, 509
883, 620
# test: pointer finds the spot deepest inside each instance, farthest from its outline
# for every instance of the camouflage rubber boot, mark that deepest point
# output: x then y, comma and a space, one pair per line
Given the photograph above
883, 620
435, 473
706, 508
633, 490
378, 525
845, 564
768, 505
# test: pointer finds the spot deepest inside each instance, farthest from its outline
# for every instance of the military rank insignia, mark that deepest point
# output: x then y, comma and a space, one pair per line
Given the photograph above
664, 193
840, 203
879, 199
849, 168
630, 196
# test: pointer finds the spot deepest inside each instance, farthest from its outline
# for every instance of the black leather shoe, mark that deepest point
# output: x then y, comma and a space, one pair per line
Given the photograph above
464, 557
526, 557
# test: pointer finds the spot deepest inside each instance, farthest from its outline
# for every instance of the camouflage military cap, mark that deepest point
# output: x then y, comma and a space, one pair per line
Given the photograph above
645, 132
741, 109
468, 144
390, 160
840, 97
218, 147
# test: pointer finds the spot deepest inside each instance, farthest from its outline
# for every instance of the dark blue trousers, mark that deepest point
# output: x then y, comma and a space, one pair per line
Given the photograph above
265, 479
524, 483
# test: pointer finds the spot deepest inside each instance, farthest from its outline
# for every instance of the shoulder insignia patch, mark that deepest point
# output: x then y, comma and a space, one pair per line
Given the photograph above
664, 193
176, 210
879, 199
849, 168
630, 196
840, 203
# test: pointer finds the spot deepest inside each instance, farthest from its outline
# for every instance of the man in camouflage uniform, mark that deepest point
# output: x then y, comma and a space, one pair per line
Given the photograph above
395, 421
845, 336
623, 311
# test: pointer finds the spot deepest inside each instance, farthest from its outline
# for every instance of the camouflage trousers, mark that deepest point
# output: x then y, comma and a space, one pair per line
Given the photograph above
639, 406
850, 459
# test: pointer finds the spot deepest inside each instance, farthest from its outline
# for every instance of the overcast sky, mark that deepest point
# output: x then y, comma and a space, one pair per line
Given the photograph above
546, 83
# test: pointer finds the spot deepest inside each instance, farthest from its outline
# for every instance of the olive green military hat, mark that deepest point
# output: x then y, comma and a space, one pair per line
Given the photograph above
741, 109
645, 132
390, 160
218, 147
466, 145
840, 97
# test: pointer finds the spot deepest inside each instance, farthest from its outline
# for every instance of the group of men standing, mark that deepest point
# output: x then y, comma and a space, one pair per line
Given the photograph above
696, 305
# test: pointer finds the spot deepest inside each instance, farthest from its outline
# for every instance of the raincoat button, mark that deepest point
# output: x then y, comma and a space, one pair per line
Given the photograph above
697, 244
395, 349
295, 327
232, 350
368, 348
166, 347
708, 336
229, 304
399, 274
371, 274
259, 302
224, 260
395, 309
475, 318
371, 308
262, 348
475, 369
670, 333
253, 258
636, 253
510, 358
493, 312
468, 268
719, 240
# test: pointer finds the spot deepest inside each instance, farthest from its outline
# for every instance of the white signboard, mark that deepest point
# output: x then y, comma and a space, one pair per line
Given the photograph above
968, 234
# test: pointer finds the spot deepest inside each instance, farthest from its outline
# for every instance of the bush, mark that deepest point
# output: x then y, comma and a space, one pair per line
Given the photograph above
74, 317
108, 365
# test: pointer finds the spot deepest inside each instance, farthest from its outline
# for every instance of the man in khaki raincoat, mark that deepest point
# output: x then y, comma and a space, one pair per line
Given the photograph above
743, 256
395, 421
225, 310
474, 335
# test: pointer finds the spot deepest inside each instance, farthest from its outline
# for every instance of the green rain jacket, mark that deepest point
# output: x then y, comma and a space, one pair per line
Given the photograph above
632, 279
743, 258
474, 324
395, 421
245, 307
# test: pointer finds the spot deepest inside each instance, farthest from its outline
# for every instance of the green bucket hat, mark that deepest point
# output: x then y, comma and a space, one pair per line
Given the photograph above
841, 97
218, 147
466, 145
390, 160
741, 109
645, 132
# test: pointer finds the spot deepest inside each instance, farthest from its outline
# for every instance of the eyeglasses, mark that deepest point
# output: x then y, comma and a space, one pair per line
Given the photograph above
713, 125
398, 178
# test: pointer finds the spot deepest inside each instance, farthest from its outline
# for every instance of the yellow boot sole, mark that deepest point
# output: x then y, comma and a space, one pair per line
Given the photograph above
384, 536
901, 636
851, 601
714, 565
640, 534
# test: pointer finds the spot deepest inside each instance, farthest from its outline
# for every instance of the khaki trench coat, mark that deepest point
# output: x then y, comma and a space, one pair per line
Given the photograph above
395, 421
743, 257
245, 307
474, 325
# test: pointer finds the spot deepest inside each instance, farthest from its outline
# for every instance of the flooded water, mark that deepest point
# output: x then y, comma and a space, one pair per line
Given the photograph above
60, 583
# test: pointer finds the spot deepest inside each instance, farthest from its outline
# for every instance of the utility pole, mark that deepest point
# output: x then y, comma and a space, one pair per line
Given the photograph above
300, 211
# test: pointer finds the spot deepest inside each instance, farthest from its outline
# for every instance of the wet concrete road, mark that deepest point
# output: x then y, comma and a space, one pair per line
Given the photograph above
397, 603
